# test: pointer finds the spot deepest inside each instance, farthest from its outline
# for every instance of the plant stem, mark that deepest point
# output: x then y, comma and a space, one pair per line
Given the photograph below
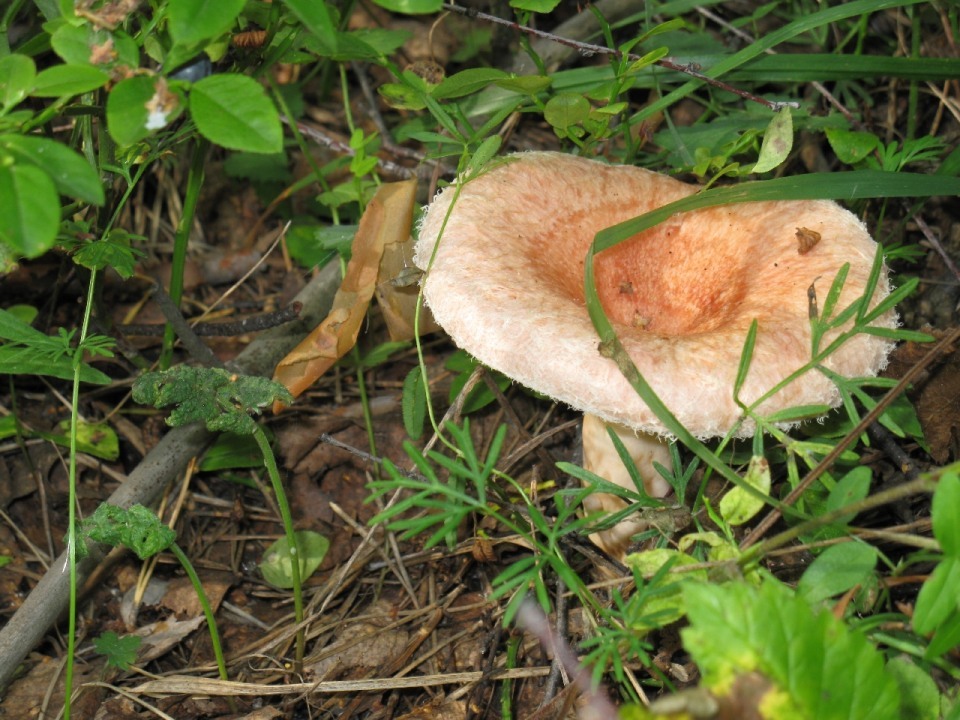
924, 484
181, 240
205, 604
271, 464
72, 499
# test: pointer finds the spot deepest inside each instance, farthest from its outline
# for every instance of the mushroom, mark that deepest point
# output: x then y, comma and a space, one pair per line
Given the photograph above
504, 278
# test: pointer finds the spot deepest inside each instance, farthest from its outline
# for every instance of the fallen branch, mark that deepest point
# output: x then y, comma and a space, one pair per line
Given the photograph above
166, 461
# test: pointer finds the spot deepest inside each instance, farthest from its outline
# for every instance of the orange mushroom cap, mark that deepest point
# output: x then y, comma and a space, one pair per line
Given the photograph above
506, 283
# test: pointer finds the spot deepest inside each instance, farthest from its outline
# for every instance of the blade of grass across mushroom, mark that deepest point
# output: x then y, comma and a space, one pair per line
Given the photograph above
838, 186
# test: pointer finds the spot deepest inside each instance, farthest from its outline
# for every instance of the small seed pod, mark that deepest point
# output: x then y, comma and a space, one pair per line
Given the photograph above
483, 550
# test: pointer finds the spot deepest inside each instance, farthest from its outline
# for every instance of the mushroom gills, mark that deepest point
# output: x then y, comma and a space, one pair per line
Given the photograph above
601, 458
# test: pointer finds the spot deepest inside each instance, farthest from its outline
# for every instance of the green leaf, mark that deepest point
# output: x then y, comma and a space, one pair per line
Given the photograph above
482, 155
798, 413
414, 404
777, 142
277, 565
71, 173
316, 18
851, 147
67, 80
819, 668
411, 7
78, 45
945, 639
127, 113
31, 210
96, 439
566, 109
746, 357
138, 528
540, 6
919, 695
648, 59
17, 73
939, 598
852, 487
946, 514
525, 84
234, 111
221, 400
113, 252
121, 652
30, 352
739, 504
193, 21
836, 570
232, 452
467, 82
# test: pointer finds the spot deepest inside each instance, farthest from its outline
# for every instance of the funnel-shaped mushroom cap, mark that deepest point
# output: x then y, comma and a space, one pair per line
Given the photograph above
506, 283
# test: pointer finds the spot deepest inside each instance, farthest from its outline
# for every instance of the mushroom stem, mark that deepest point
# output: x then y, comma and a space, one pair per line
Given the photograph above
601, 458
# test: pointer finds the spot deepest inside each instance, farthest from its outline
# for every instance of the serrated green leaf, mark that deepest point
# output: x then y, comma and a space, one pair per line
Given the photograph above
234, 111
777, 142
818, 666
277, 563
193, 21
113, 252
31, 210
120, 652
67, 80
836, 570
17, 73
71, 173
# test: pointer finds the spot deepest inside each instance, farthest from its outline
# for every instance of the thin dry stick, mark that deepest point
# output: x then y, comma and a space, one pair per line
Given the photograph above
945, 343
588, 49
397, 568
935, 243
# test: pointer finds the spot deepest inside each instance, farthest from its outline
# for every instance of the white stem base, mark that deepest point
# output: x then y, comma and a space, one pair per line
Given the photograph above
600, 457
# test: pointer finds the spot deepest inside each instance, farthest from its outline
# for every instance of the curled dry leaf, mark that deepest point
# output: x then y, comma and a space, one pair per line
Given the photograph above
806, 239
386, 222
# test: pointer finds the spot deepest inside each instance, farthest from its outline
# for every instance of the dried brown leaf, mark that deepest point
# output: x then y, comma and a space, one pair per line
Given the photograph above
397, 289
387, 220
